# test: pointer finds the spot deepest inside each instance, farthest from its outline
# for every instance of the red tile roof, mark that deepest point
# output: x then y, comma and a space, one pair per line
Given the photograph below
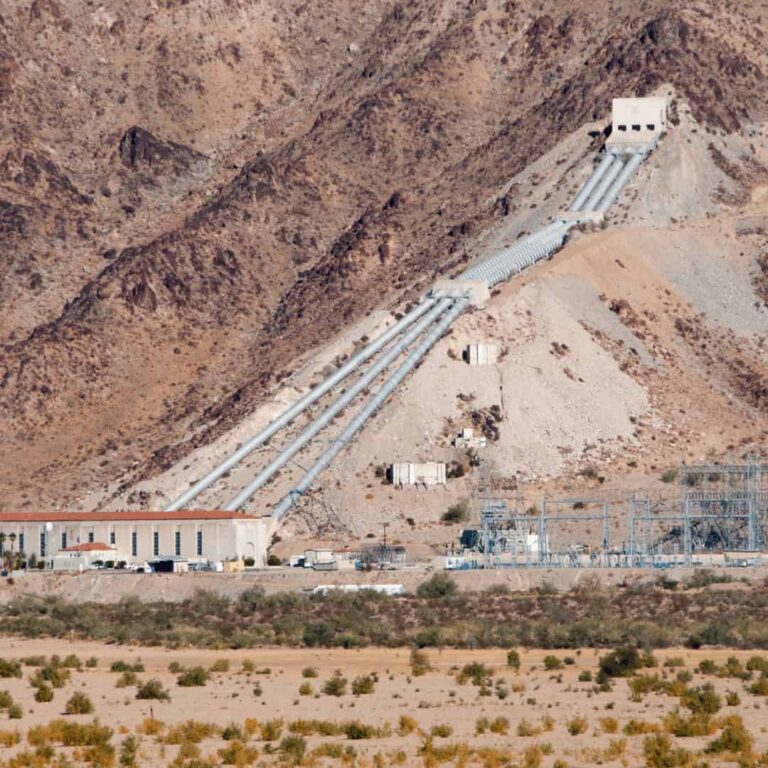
116, 517
88, 546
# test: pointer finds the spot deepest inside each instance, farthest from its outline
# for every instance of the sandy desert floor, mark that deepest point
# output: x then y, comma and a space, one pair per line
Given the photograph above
540, 717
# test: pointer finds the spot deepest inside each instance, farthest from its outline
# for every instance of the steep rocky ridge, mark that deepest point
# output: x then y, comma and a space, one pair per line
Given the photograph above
269, 239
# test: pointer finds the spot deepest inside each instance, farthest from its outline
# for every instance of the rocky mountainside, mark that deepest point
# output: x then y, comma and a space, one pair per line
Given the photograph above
193, 195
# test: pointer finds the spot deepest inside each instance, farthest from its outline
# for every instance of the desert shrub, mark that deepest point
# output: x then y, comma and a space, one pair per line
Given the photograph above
406, 725
233, 732
644, 684
69, 733
43, 693
150, 727
193, 677
10, 668
6, 700
732, 699
734, 738
125, 666
585, 676
442, 731
362, 685
609, 725
757, 664
552, 662
456, 513
92, 662
152, 689
532, 756
439, 586
238, 753
72, 661
336, 686
270, 730
621, 662
482, 724
293, 748
668, 476
9, 739
220, 665
707, 667
476, 673
659, 752
175, 667
704, 577
701, 700
640, 727
419, 663
273, 559
577, 725
694, 725
79, 704
674, 661
306, 689
34, 661
15, 712
126, 680
760, 686
191, 732
309, 672
499, 725
129, 750
513, 659
355, 730
524, 729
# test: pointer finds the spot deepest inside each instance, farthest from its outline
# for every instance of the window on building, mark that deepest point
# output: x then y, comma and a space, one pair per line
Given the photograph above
42, 544
177, 543
90, 537
112, 538
155, 543
63, 539
622, 127
134, 544
636, 127
199, 543
651, 127
21, 542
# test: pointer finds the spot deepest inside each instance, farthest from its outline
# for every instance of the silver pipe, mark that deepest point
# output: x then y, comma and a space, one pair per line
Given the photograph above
300, 405
615, 189
591, 182
597, 193
368, 410
324, 419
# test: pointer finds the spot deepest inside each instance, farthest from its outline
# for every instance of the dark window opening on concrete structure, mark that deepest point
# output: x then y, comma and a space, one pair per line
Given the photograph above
635, 127
650, 127
622, 127
155, 543
177, 542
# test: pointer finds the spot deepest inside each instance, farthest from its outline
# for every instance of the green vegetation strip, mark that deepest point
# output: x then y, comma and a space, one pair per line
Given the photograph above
652, 616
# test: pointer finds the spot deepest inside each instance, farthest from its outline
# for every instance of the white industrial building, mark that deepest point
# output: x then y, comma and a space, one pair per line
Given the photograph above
637, 122
426, 474
137, 537
481, 354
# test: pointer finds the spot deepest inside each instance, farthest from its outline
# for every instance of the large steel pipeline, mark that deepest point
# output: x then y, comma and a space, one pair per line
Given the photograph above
325, 418
608, 178
387, 388
591, 183
301, 405
620, 182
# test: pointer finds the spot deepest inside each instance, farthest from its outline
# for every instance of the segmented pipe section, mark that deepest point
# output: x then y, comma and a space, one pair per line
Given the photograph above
387, 388
301, 405
325, 418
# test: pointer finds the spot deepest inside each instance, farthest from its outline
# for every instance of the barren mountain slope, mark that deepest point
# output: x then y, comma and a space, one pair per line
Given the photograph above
278, 194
